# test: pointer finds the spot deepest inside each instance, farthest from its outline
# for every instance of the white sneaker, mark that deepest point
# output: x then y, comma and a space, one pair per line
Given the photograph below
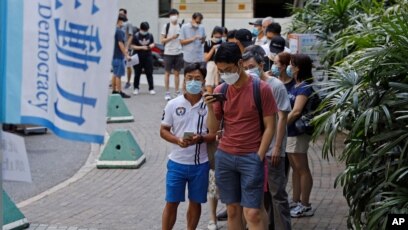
136, 92
301, 211
152, 92
212, 225
167, 97
293, 204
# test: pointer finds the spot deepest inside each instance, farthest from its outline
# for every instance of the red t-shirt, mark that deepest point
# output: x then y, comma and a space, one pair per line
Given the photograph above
242, 131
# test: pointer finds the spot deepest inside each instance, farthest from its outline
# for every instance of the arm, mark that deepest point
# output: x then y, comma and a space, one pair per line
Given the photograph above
212, 122
165, 40
135, 47
207, 56
124, 50
269, 123
296, 112
188, 40
280, 134
129, 41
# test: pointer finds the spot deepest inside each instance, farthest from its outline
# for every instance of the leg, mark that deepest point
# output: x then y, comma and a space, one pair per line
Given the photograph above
166, 81
254, 218
169, 215
148, 67
176, 81
306, 180
129, 74
138, 71
295, 178
193, 215
114, 83
118, 84
234, 211
250, 167
277, 188
212, 197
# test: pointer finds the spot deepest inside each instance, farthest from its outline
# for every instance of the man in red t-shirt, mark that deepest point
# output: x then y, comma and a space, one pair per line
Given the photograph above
243, 145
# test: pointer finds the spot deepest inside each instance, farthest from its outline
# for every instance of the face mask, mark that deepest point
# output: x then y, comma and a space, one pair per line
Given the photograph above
173, 18
255, 32
230, 78
193, 86
143, 32
223, 39
254, 72
216, 40
275, 70
289, 71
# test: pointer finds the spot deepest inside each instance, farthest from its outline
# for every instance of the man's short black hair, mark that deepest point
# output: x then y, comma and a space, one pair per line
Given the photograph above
231, 34
195, 66
173, 12
144, 26
274, 27
198, 15
228, 52
123, 9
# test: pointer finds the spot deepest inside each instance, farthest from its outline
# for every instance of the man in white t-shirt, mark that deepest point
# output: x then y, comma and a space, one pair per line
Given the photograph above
184, 124
173, 54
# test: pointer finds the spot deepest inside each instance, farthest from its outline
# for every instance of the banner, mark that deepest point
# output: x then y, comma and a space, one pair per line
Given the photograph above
57, 61
15, 162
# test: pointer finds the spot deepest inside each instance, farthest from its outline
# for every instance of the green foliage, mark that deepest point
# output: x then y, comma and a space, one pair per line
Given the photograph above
366, 50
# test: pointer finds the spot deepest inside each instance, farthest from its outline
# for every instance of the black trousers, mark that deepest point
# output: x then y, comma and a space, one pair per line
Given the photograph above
146, 64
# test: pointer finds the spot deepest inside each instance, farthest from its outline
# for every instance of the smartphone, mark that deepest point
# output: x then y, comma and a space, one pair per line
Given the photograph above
219, 97
187, 135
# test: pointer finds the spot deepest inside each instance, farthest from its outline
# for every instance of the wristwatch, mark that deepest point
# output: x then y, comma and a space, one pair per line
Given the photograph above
200, 139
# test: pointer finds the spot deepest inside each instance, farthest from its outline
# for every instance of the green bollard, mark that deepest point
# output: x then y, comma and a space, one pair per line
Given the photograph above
117, 110
13, 218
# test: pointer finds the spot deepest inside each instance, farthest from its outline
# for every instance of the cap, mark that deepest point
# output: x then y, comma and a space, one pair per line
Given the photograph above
277, 44
258, 22
244, 36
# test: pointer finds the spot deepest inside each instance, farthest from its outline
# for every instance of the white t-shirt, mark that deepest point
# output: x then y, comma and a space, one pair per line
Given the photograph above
172, 47
282, 101
182, 117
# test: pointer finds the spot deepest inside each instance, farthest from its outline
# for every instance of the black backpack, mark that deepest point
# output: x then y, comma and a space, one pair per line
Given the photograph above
168, 28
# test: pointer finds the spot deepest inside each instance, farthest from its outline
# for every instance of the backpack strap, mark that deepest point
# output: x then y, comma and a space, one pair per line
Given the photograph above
167, 29
257, 98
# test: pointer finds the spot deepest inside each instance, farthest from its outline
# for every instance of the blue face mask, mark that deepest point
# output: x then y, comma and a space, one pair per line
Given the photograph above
275, 71
289, 71
254, 72
255, 32
193, 86
143, 32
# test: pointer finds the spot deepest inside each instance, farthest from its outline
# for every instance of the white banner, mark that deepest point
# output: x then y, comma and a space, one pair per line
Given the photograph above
15, 163
67, 49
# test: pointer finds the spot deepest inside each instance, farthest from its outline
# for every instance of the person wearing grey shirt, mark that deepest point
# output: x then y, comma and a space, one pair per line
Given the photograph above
127, 28
192, 38
279, 211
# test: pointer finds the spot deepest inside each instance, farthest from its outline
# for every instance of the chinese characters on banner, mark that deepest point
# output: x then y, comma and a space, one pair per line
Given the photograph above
66, 53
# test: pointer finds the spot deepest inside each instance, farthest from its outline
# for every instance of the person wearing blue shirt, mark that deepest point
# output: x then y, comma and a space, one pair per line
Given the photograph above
297, 142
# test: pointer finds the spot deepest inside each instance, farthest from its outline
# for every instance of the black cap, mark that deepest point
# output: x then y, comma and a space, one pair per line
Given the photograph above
256, 23
277, 45
244, 36
144, 26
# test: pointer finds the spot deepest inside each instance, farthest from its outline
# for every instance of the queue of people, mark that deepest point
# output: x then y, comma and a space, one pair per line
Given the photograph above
234, 122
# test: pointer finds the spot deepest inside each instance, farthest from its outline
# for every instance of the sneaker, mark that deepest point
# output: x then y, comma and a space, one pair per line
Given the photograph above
136, 92
127, 85
212, 225
167, 97
301, 211
293, 204
124, 95
152, 92
115, 92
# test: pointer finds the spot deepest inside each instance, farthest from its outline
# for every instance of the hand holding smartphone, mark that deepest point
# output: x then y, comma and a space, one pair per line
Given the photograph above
218, 97
188, 135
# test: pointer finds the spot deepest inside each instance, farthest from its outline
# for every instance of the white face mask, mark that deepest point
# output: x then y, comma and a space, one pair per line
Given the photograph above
173, 18
229, 78
255, 72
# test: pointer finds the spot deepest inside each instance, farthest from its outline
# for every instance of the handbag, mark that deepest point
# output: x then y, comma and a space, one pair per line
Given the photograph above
303, 125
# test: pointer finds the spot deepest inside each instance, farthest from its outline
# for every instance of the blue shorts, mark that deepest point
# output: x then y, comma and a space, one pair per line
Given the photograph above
196, 177
240, 178
118, 67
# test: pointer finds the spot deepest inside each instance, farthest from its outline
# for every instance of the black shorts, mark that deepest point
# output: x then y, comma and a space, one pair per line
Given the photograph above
173, 62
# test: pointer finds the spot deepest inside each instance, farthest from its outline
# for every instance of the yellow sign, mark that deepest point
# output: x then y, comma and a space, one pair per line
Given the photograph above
241, 6
182, 7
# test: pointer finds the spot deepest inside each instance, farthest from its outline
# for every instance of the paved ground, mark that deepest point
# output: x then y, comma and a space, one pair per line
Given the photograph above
52, 160
133, 199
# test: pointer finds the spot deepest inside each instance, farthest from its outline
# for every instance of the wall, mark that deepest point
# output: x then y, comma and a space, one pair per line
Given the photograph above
212, 8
